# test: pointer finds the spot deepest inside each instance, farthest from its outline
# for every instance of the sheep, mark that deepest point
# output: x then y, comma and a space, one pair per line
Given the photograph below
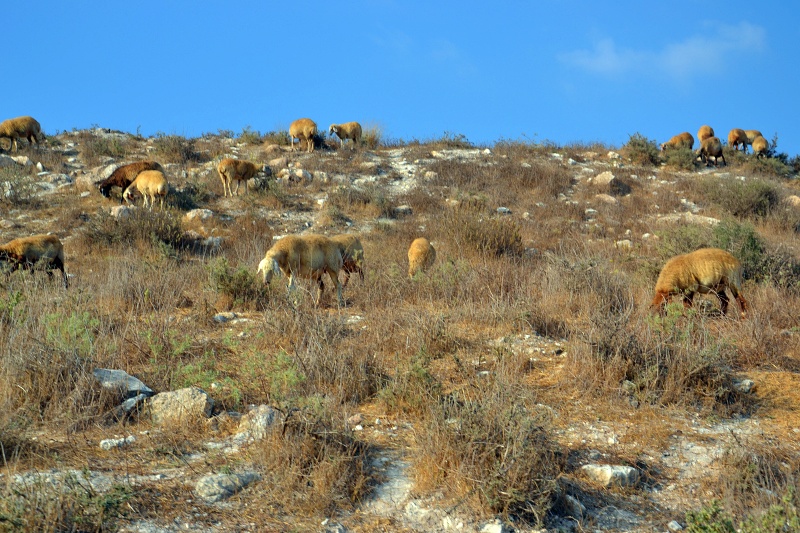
421, 256
707, 270
309, 256
751, 135
26, 252
241, 171
303, 129
760, 146
711, 147
736, 138
150, 183
704, 133
123, 176
348, 130
682, 140
15, 128
352, 255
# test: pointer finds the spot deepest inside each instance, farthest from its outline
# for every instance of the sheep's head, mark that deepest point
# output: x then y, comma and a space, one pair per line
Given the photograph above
105, 189
267, 267
333, 129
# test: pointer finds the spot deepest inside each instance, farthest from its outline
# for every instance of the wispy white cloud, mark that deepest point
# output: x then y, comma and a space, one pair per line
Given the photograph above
714, 51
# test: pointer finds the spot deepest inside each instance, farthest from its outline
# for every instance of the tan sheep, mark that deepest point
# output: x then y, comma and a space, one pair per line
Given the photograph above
704, 133
682, 140
751, 135
304, 129
348, 130
760, 146
21, 127
708, 270
27, 252
736, 138
421, 256
240, 171
123, 176
150, 183
308, 256
352, 255
711, 147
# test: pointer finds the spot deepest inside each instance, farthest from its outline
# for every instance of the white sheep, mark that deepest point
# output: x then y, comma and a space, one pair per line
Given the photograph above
21, 127
738, 137
682, 140
150, 183
708, 270
704, 133
352, 255
348, 130
304, 129
711, 147
760, 146
309, 256
238, 170
27, 252
421, 256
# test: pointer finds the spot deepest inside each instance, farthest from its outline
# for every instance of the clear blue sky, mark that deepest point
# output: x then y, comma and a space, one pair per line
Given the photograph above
563, 71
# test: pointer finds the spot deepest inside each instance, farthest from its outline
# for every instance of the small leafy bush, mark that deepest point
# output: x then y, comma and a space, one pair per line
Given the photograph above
642, 151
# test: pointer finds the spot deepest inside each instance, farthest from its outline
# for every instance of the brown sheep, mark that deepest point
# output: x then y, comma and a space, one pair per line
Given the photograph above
348, 130
240, 171
760, 146
123, 176
150, 183
304, 129
421, 256
27, 252
21, 127
708, 270
352, 255
682, 140
711, 147
704, 133
736, 138
309, 256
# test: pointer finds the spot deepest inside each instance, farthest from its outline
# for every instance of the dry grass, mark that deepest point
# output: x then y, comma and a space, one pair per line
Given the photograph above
488, 421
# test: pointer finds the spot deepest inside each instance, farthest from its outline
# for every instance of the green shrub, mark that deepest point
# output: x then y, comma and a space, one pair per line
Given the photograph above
173, 149
681, 158
249, 136
141, 226
748, 198
241, 285
642, 151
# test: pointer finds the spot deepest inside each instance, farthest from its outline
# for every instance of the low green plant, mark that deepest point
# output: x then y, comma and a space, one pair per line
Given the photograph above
680, 158
241, 285
173, 149
249, 136
642, 151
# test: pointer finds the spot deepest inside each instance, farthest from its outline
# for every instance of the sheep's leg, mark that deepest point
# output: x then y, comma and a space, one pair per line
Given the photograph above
59, 264
238, 182
687, 300
335, 278
723, 301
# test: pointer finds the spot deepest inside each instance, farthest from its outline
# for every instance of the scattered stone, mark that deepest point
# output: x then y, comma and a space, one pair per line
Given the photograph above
257, 422
625, 244
745, 386
674, 526
222, 318
606, 199
218, 487
503, 211
793, 200
573, 507
198, 214
403, 210
612, 475
496, 526
122, 212
108, 444
180, 406
122, 382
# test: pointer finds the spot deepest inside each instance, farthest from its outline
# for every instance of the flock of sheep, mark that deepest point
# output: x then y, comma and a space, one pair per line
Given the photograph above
711, 146
311, 256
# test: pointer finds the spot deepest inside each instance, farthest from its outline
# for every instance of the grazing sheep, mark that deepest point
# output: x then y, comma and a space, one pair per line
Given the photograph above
736, 138
348, 130
241, 171
751, 135
708, 270
150, 183
352, 255
421, 256
309, 256
123, 176
21, 127
682, 140
27, 252
303, 129
704, 133
711, 147
760, 146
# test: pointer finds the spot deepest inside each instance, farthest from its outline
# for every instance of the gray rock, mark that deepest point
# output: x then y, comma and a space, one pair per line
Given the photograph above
403, 210
108, 444
121, 212
7, 161
180, 406
612, 475
217, 487
198, 214
745, 386
222, 318
503, 211
674, 526
121, 381
257, 422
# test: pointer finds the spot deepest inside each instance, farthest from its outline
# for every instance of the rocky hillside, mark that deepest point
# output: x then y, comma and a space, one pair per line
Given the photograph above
521, 384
